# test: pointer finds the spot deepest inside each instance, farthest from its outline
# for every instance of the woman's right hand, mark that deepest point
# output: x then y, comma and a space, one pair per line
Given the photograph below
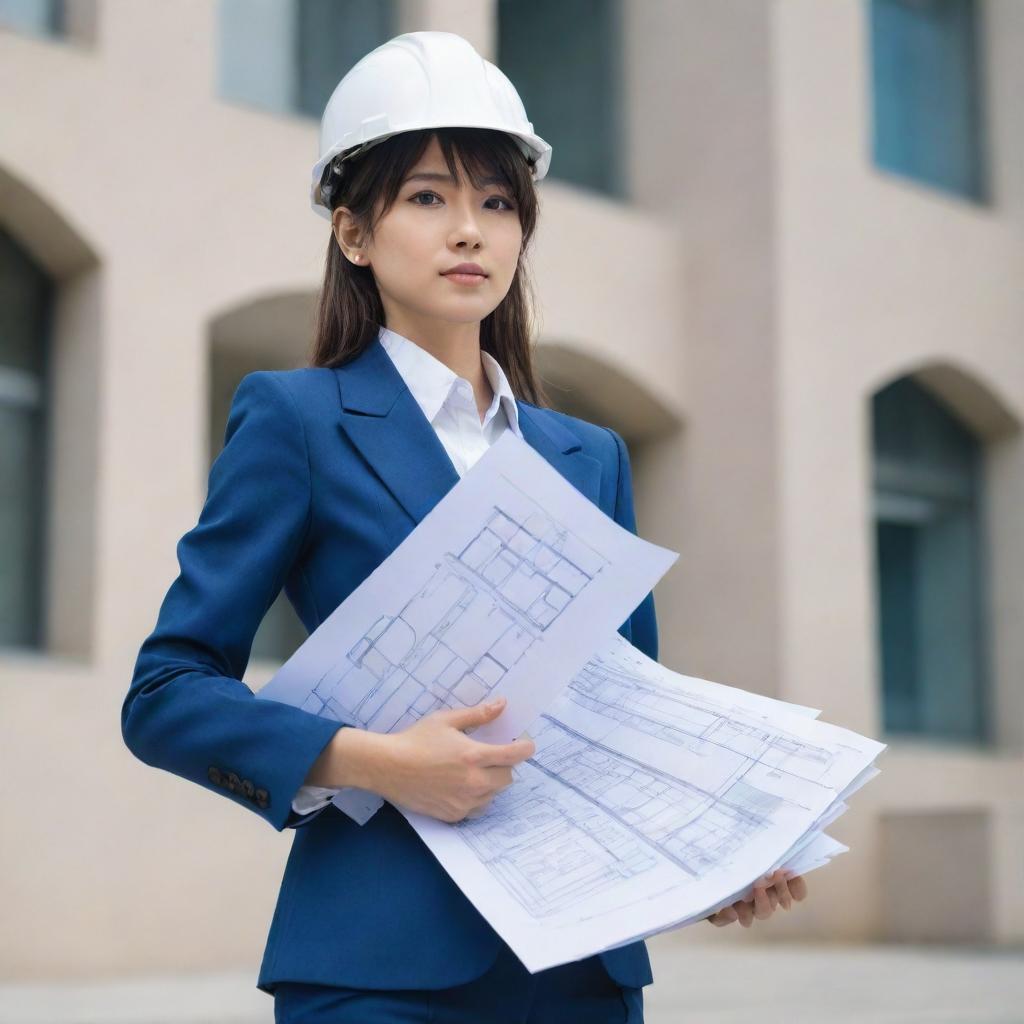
434, 768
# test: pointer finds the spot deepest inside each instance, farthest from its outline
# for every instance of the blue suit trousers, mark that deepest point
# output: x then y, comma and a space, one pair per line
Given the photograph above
576, 993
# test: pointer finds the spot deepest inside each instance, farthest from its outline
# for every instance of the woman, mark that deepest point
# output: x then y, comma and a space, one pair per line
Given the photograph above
427, 164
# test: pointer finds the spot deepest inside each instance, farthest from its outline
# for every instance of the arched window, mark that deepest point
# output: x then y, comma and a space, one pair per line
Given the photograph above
26, 305
929, 566
288, 55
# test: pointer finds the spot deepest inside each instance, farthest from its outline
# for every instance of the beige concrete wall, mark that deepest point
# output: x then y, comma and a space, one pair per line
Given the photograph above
877, 277
766, 280
701, 160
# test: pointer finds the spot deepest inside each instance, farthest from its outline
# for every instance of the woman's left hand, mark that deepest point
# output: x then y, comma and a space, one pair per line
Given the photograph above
779, 887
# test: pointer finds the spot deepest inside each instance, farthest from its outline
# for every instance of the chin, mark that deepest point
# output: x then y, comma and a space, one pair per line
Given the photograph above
465, 316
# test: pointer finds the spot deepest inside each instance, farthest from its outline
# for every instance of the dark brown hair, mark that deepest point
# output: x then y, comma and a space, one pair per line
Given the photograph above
349, 312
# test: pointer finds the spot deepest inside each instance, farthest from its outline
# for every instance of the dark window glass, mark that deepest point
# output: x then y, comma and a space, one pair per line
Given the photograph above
331, 37
26, 303
929, 566
564, 60
926, 93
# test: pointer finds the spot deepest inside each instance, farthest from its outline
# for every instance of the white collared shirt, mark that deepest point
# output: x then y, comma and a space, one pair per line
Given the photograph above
448, 403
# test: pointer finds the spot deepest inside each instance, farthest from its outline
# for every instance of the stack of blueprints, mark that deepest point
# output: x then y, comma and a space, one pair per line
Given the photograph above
653, 799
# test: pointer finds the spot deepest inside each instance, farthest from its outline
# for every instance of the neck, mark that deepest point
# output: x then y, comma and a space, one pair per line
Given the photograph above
455, 345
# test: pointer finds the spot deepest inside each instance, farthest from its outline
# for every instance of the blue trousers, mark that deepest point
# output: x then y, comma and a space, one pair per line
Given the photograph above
575, 993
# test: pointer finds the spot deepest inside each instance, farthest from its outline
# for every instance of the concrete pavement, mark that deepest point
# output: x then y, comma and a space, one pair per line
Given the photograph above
694, 984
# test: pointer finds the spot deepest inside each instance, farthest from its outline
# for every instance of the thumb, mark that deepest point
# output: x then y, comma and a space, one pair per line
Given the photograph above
462, 718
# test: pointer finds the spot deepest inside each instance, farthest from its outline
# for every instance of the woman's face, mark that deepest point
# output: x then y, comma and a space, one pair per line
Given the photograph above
431, 227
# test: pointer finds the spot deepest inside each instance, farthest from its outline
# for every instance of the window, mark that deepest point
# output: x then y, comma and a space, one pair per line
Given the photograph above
33, 17
929, 566
564, 61
926, 102
288, 55
26, 302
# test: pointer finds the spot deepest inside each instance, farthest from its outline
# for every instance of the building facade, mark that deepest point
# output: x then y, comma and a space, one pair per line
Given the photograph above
780, 251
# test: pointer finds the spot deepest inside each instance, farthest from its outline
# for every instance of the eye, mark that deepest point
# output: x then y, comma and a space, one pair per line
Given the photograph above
501, 199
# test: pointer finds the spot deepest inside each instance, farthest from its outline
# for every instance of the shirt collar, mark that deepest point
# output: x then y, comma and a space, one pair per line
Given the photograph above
430, 381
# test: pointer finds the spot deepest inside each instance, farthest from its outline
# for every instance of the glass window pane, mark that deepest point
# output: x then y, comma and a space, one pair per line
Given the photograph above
926, 92
897, 556
33, 17
332, 35
21, 480
929, 558
26, 300
287, 56
564, 60
257, 52
24, 303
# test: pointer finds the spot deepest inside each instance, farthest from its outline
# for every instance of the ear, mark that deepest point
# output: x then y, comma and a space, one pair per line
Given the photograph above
346, 232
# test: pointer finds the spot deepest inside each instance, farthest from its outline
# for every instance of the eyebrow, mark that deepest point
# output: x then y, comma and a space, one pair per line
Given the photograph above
434, 176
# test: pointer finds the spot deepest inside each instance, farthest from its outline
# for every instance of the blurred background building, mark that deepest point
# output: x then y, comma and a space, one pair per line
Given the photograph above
781, 250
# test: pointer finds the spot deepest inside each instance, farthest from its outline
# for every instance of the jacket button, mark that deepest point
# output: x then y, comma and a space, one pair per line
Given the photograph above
214, 775
248, 788
234, 782
262, 798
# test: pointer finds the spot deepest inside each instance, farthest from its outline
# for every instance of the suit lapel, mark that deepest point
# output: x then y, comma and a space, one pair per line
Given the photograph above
561, 447
382, 419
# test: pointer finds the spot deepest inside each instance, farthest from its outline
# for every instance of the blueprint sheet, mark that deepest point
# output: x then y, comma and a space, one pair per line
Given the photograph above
652, 800
506, 587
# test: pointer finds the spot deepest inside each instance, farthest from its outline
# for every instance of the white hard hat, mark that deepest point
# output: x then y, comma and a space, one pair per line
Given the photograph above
420, 80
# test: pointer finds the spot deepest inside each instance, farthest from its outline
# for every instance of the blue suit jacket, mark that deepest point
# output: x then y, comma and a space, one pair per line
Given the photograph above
323, 473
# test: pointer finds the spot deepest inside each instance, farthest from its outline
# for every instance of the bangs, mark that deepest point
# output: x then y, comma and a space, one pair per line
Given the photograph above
484, 153
476, 153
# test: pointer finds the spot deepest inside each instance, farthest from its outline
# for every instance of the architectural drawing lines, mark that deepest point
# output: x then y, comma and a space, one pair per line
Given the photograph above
551, 850
670, 814
454, 640
699, 725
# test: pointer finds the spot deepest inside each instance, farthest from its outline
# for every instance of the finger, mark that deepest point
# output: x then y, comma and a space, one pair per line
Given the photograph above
505, 754
745, 912
780, 894
798, 887
725, 916
762, 905
773, 898
464, 718
782, 888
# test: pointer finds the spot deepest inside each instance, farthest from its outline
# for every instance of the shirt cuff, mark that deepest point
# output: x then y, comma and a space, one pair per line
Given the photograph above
312, 798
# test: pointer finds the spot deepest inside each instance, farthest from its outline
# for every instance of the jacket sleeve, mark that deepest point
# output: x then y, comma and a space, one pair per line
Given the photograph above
187, 710
641, 628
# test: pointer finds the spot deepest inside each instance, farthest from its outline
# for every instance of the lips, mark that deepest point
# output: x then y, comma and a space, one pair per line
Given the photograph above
465, 268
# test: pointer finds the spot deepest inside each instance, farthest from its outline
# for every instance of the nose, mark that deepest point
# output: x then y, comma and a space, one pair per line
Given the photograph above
466, 229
